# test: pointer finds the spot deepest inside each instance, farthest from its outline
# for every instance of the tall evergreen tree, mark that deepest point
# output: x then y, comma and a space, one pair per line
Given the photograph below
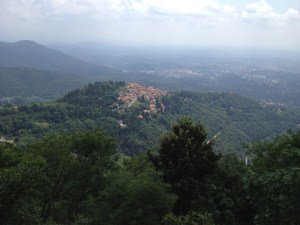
186, 159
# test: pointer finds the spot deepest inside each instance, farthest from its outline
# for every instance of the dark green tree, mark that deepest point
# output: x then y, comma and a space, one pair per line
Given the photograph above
75, 169
229, 195
273, 181
192, 218
186, 159
20, 181
135, 194
48, 181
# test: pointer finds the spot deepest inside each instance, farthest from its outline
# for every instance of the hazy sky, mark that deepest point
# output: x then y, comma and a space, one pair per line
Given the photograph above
258, 23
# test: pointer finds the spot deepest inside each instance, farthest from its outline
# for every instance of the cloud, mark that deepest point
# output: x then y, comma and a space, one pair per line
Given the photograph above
207, 12
152, 21
292, 14
260, 8
203, 13
39, 10
263, 14
170, 7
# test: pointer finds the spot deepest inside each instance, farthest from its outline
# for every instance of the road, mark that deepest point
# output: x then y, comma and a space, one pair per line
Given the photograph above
133, 101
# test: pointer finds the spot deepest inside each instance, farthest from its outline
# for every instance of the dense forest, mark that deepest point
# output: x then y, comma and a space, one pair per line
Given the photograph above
236, 120
81, 179
88, 158
140, 112
24, 85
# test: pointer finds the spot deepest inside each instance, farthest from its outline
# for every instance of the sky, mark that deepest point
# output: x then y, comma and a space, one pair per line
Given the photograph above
224, 23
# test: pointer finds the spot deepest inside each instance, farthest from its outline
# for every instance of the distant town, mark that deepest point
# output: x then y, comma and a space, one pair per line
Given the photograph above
134, 92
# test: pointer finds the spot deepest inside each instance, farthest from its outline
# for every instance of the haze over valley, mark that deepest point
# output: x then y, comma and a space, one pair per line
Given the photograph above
150, 112
271, 77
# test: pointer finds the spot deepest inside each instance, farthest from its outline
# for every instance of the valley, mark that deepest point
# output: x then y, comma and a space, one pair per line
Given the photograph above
145, 113
136, 112
150, 112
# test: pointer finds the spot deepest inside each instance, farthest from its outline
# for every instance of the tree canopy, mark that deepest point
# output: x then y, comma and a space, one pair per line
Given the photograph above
186, 158
273, 180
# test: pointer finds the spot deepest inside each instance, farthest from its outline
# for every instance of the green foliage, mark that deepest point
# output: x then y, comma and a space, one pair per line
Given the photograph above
227, 191
50, 179
186, 151
79, 179
186, 159
32, 85
273, 181
202, 180
135, 195
238, 119
193, 218
20, 179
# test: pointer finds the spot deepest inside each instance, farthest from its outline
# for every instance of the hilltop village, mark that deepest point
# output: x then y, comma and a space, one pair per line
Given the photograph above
134, 92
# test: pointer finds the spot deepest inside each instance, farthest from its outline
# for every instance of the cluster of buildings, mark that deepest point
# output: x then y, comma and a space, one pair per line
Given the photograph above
5, 100
134, 91
261, 79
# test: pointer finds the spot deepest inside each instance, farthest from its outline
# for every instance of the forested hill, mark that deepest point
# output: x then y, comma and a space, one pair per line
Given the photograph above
30, 54
138, 124
28, 84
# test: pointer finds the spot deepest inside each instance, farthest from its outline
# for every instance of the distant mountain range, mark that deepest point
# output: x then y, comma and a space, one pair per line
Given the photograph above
33, 55
32, 72
23, 84
267, 79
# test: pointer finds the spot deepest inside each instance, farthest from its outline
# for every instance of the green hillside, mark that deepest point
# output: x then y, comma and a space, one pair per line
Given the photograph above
236, 120
33, 55
25, 84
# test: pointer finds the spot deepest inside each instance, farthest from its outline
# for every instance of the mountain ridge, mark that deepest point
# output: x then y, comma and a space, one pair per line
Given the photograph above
27, 53
22, 84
